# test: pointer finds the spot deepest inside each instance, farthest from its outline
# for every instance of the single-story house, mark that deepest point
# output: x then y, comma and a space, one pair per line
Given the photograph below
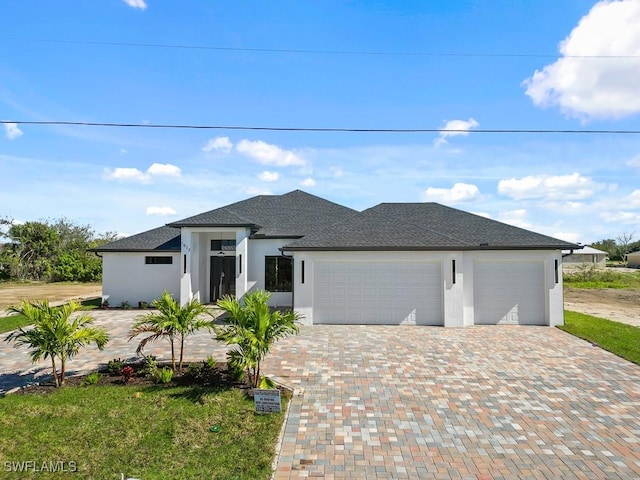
633, 260
394, 263
586, 256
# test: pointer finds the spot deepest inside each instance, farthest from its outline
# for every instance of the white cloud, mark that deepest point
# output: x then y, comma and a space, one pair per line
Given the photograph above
123, 151
257, 191
482, 214
633, 200
160, 211
560, 187
136, 4
462, 126
517, 218
218, 144
591, 88
267, 176
567, 236
634, 162
165, 169
308, 182
124, 173
337, 172
622, 217
134, 174
267, 154
12, 131
459, 193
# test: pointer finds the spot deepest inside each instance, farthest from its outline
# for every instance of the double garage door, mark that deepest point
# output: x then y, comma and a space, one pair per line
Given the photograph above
378, 292
394, 292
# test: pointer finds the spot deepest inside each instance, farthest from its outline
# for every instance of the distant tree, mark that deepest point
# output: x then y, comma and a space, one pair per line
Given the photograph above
624, 240
607, 245
56, 250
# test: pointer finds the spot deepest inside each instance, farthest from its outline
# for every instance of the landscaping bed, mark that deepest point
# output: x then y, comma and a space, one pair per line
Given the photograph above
201, 424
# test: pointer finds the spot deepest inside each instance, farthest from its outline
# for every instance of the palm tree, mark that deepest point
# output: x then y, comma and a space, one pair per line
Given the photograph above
55, 334
171, 321
254, 328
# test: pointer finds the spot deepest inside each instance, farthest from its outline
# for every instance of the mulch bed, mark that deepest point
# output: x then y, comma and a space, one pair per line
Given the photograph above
214, 377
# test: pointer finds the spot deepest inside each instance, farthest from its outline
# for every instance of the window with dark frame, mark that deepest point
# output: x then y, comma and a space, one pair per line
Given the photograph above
158, 260
223, 245
278, 274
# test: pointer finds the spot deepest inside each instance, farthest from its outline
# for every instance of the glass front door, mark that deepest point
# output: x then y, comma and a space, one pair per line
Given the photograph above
223, 277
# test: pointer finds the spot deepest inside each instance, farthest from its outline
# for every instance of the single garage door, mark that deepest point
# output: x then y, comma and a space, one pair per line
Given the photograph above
509, 292
376, 292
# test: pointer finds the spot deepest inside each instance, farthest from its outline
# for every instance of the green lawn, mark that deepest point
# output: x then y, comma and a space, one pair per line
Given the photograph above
618, 338
164, 432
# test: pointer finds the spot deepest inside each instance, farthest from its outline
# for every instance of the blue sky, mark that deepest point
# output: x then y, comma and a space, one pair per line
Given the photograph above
466, 65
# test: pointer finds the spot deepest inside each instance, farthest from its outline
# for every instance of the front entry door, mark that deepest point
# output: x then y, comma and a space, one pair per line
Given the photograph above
223, 277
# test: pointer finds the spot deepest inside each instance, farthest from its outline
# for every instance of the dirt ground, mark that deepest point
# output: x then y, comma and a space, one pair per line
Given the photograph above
610, 303
12, 293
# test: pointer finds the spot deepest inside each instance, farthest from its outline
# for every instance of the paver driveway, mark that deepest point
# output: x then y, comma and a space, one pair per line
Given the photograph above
468, 403
435, 403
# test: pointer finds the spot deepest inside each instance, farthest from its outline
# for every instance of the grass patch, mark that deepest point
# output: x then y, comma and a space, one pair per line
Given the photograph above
591, 277
142, 432
618, 338
12, 322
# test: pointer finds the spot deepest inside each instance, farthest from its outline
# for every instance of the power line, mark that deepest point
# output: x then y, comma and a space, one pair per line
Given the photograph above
320, 129
325, 52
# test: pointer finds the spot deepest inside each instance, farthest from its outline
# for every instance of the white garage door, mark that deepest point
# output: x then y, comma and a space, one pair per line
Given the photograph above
509, 292
375, 292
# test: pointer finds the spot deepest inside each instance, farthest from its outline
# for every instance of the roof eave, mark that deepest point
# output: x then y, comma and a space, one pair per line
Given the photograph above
420, 249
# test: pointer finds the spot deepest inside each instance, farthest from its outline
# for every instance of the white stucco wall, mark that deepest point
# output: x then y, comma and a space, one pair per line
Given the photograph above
258, 250
126, 277
458, 297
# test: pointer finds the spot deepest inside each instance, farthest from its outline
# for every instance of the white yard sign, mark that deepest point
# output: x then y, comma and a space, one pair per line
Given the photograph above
267, 401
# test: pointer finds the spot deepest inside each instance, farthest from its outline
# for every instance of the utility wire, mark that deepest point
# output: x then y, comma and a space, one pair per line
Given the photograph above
320, 129
325, 52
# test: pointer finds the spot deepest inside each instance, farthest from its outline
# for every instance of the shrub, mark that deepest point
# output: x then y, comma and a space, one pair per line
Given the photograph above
115, 366
127, 373
143, 305
91, 379
195, 370
125, 305
164, 376
210, 362
150, 366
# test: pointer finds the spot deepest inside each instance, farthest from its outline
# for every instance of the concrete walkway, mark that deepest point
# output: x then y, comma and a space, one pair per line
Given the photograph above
475, 403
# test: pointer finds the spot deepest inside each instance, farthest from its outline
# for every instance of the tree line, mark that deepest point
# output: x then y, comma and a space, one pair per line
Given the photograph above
50, 250
617, 248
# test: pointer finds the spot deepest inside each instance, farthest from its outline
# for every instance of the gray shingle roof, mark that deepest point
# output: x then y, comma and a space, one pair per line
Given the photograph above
160, 239
293, 214
423, 226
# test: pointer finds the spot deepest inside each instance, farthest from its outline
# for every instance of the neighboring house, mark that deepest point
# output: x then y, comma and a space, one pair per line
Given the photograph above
395, 263
633, 260
587, 255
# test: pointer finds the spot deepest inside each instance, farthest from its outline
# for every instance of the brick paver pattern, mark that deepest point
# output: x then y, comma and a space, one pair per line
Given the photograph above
481, 403
485, 402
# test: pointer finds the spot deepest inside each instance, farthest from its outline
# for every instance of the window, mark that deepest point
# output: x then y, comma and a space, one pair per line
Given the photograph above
223, 245
158, 260
277, 274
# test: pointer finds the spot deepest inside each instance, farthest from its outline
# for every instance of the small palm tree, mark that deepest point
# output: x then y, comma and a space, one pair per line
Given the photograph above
253, 328
55, 334
171, 321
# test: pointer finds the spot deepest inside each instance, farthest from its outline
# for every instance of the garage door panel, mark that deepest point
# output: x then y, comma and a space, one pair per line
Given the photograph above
378, 293
509, 292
